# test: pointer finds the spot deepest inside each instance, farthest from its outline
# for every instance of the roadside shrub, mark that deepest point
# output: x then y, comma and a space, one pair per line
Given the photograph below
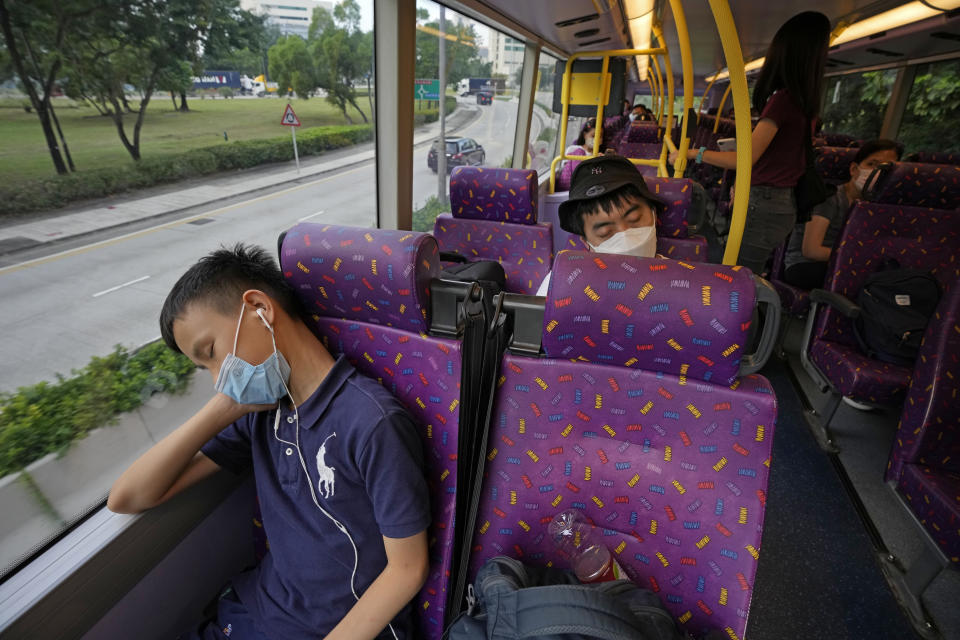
424, 216
58, 191
48, 416
225, 92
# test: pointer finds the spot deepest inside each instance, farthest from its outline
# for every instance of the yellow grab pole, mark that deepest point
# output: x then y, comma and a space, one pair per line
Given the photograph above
706, 92
668, 71
657, 107
723, 103
686, 62
565, 96
653, 94
741, 108
604, 91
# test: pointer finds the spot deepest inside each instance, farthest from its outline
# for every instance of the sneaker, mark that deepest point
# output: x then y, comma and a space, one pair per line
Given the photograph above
857, 405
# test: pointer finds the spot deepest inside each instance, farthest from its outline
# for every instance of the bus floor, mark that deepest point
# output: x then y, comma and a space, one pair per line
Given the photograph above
818, 574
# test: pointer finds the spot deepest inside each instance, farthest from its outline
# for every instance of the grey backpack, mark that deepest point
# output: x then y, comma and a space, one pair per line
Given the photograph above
510, 601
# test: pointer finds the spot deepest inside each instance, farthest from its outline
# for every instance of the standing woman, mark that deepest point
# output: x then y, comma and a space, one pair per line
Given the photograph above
787, 96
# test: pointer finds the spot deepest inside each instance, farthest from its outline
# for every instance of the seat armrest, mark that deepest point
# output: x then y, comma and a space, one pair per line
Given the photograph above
768, 303
838, 301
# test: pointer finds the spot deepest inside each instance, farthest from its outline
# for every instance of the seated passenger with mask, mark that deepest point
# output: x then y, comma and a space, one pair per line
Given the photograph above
611, 208
805, 263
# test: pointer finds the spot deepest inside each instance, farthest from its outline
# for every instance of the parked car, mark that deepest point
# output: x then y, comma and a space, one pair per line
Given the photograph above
460, 152
484, 97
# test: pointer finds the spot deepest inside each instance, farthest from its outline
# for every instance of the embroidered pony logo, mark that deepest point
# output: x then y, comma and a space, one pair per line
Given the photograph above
326, 483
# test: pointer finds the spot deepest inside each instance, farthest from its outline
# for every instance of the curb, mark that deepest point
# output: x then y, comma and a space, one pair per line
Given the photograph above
57, 241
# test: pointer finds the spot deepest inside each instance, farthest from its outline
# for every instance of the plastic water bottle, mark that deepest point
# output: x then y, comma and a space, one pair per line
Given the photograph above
589, 558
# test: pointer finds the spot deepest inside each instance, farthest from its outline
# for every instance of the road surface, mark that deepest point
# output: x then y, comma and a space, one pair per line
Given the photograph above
65, 308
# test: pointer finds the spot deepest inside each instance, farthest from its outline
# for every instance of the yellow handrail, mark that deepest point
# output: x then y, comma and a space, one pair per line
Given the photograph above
653, 93
706, 92
686, 62
668, 71
741, 108
657, 107
723, 103
565, 100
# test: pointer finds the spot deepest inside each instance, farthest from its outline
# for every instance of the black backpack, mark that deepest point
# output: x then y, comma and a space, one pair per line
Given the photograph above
895, 306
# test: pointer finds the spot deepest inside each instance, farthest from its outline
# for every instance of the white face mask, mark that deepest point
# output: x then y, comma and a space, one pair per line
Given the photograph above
633, 117
640, 242
861, 180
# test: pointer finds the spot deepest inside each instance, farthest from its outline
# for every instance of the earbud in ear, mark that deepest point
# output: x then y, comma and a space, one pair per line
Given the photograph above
264, 320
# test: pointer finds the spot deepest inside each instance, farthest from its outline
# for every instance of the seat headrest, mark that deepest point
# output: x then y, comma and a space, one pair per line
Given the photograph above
920, 185
500, 195
642, 132
369, 275
677, 193
668, 316
833, 163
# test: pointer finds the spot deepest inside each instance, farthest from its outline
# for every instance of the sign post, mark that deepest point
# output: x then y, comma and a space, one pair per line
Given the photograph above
291, 120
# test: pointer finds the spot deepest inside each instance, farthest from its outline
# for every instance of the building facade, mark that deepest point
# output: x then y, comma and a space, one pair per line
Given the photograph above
290, 16
505, 53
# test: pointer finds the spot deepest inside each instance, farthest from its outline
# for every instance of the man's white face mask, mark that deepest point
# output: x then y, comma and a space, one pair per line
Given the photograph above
640, 242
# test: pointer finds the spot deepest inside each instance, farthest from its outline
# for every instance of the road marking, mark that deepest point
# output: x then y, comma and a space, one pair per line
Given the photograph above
168, 225
312, 215
119, 286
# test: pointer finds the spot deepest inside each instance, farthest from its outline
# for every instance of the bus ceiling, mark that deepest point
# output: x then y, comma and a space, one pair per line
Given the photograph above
878, 33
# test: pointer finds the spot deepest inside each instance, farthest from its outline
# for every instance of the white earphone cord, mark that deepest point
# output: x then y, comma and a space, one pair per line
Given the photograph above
303, 465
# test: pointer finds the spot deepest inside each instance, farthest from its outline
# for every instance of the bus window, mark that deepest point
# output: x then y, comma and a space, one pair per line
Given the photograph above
93, 386
483, 68
543, 145
855, 103
930, 118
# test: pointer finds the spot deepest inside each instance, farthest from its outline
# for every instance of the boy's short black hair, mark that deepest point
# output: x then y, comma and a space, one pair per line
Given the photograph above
219, 280
875, 146
619, 198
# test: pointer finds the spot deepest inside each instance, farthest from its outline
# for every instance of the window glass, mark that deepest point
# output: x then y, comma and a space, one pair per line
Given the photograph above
930, 121
90, 386
478, 59
544, 142
855, 103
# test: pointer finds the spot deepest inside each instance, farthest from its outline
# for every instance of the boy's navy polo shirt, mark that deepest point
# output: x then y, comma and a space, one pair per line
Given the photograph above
364, 460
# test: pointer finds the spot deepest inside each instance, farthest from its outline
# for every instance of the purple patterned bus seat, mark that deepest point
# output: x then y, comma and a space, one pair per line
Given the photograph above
839, 140
368, 291
917, 238
934, 157
920, 185
494, 217
496, 195
683, 331
833, 163
925, 458
672, 469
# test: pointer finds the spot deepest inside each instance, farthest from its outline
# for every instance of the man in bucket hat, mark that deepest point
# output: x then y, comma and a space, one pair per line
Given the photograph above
611, 208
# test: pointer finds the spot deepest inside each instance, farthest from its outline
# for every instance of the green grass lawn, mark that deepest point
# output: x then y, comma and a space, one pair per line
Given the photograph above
94, 142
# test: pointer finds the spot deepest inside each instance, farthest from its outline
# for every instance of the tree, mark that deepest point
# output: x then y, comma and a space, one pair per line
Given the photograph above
177, 79
135, 45
292, 67
463, 60
33, 36
340, 51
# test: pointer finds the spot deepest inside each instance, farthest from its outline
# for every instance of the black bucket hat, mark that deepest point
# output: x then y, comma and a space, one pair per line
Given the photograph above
599, 176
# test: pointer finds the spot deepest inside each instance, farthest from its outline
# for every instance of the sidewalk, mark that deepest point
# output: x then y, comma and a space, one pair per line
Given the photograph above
105, 214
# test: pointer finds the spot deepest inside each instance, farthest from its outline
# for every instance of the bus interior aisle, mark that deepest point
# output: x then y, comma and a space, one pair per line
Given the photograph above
656, 337
817, 558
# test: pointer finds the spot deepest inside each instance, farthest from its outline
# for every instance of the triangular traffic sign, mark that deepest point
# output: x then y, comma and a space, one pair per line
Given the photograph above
290, 119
